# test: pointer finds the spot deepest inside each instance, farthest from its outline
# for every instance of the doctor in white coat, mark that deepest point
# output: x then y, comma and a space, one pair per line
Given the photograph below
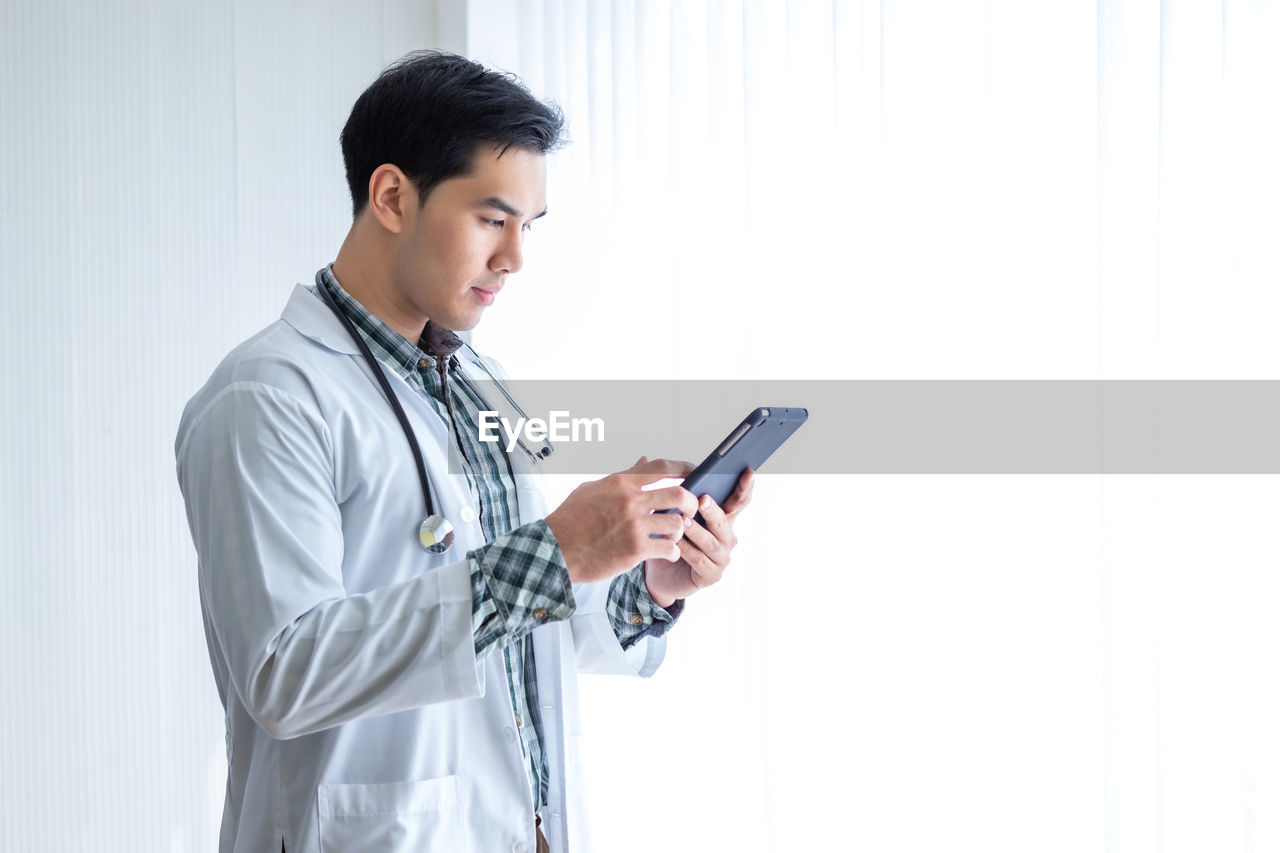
361, 714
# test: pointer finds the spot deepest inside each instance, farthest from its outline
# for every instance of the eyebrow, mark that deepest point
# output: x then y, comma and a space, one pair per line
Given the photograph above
498, 204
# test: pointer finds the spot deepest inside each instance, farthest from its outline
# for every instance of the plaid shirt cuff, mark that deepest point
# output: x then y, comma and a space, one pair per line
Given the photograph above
633, 612
518, 582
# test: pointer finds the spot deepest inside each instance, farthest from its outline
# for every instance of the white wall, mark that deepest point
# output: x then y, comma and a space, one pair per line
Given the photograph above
168, 170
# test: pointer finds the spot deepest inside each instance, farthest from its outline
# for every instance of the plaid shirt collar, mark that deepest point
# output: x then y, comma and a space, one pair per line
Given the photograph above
387, 344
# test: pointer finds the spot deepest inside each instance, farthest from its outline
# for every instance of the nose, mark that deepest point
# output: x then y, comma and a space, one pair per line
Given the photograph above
509, 257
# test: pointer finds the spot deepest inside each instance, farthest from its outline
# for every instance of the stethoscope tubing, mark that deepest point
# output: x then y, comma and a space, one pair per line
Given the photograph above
390, 394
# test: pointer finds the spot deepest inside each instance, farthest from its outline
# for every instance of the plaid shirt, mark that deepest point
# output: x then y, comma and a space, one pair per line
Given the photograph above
519, 575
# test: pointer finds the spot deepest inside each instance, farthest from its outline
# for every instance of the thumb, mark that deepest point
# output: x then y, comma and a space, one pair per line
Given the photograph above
639, 461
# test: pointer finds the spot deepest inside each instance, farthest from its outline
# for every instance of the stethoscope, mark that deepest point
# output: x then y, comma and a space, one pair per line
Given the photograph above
435, 534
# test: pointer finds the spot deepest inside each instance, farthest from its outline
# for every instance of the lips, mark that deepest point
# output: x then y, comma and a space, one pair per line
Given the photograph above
486, 295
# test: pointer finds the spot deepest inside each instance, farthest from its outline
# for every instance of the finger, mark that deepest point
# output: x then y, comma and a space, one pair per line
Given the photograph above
706, 543
660, 548
716, 545
703, 571
716, 522
661, 467
665, 525
672, 497
741, 495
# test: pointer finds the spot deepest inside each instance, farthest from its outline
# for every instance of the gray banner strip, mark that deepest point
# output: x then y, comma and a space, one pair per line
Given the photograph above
915, 427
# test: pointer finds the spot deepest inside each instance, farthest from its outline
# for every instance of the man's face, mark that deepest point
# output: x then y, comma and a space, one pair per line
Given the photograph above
456, 252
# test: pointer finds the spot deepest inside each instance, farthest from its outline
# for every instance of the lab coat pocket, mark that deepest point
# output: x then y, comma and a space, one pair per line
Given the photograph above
397, 816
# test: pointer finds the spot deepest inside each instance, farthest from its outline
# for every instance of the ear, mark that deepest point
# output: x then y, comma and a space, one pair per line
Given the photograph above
391, 196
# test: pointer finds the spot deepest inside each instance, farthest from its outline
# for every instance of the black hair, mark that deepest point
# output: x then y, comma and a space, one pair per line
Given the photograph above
427, 112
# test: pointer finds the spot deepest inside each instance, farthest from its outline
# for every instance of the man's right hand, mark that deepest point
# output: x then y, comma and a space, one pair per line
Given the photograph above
604, 526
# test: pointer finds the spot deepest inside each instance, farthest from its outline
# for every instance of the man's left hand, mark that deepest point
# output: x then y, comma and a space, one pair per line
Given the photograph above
704, 551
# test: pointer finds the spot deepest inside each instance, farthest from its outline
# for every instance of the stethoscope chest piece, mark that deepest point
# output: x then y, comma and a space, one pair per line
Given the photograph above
436, 534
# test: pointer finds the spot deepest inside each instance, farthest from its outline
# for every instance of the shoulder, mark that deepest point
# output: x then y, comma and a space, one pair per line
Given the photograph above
278, 356
289, 354
275, 373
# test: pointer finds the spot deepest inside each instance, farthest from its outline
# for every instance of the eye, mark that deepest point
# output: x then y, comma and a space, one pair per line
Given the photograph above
502, 223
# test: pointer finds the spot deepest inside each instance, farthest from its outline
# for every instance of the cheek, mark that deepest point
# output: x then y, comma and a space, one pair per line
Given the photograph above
463, 253
458, 252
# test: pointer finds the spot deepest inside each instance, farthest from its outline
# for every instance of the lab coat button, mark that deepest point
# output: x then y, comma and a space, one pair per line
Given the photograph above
519, 847
510, 733
468, 515
540, 614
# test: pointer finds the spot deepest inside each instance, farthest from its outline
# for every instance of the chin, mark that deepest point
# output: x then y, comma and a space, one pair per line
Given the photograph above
462, 324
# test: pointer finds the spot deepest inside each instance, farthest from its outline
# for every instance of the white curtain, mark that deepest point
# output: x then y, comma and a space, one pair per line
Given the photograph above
904, 190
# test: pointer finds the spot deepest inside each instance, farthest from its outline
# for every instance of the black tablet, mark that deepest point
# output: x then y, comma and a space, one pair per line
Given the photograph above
748, 446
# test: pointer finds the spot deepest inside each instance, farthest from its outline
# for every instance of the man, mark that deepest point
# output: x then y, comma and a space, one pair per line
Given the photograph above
379, 696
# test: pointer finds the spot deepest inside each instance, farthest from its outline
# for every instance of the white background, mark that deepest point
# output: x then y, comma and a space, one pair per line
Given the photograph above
755, 190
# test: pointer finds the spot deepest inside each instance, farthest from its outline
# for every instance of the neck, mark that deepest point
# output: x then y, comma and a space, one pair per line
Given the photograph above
365, 269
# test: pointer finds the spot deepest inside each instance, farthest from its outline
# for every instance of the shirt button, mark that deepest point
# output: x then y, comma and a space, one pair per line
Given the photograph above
540, 614
424, 364
468, 515
637, 619
519, 720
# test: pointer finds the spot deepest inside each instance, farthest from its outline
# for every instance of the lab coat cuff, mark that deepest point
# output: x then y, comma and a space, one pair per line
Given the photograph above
596, 645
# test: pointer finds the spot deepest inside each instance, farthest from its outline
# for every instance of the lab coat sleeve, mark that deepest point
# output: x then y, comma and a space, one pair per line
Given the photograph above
256, 469
596, 645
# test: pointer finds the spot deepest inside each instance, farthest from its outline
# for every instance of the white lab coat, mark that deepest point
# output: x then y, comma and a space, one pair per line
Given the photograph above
357, 717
